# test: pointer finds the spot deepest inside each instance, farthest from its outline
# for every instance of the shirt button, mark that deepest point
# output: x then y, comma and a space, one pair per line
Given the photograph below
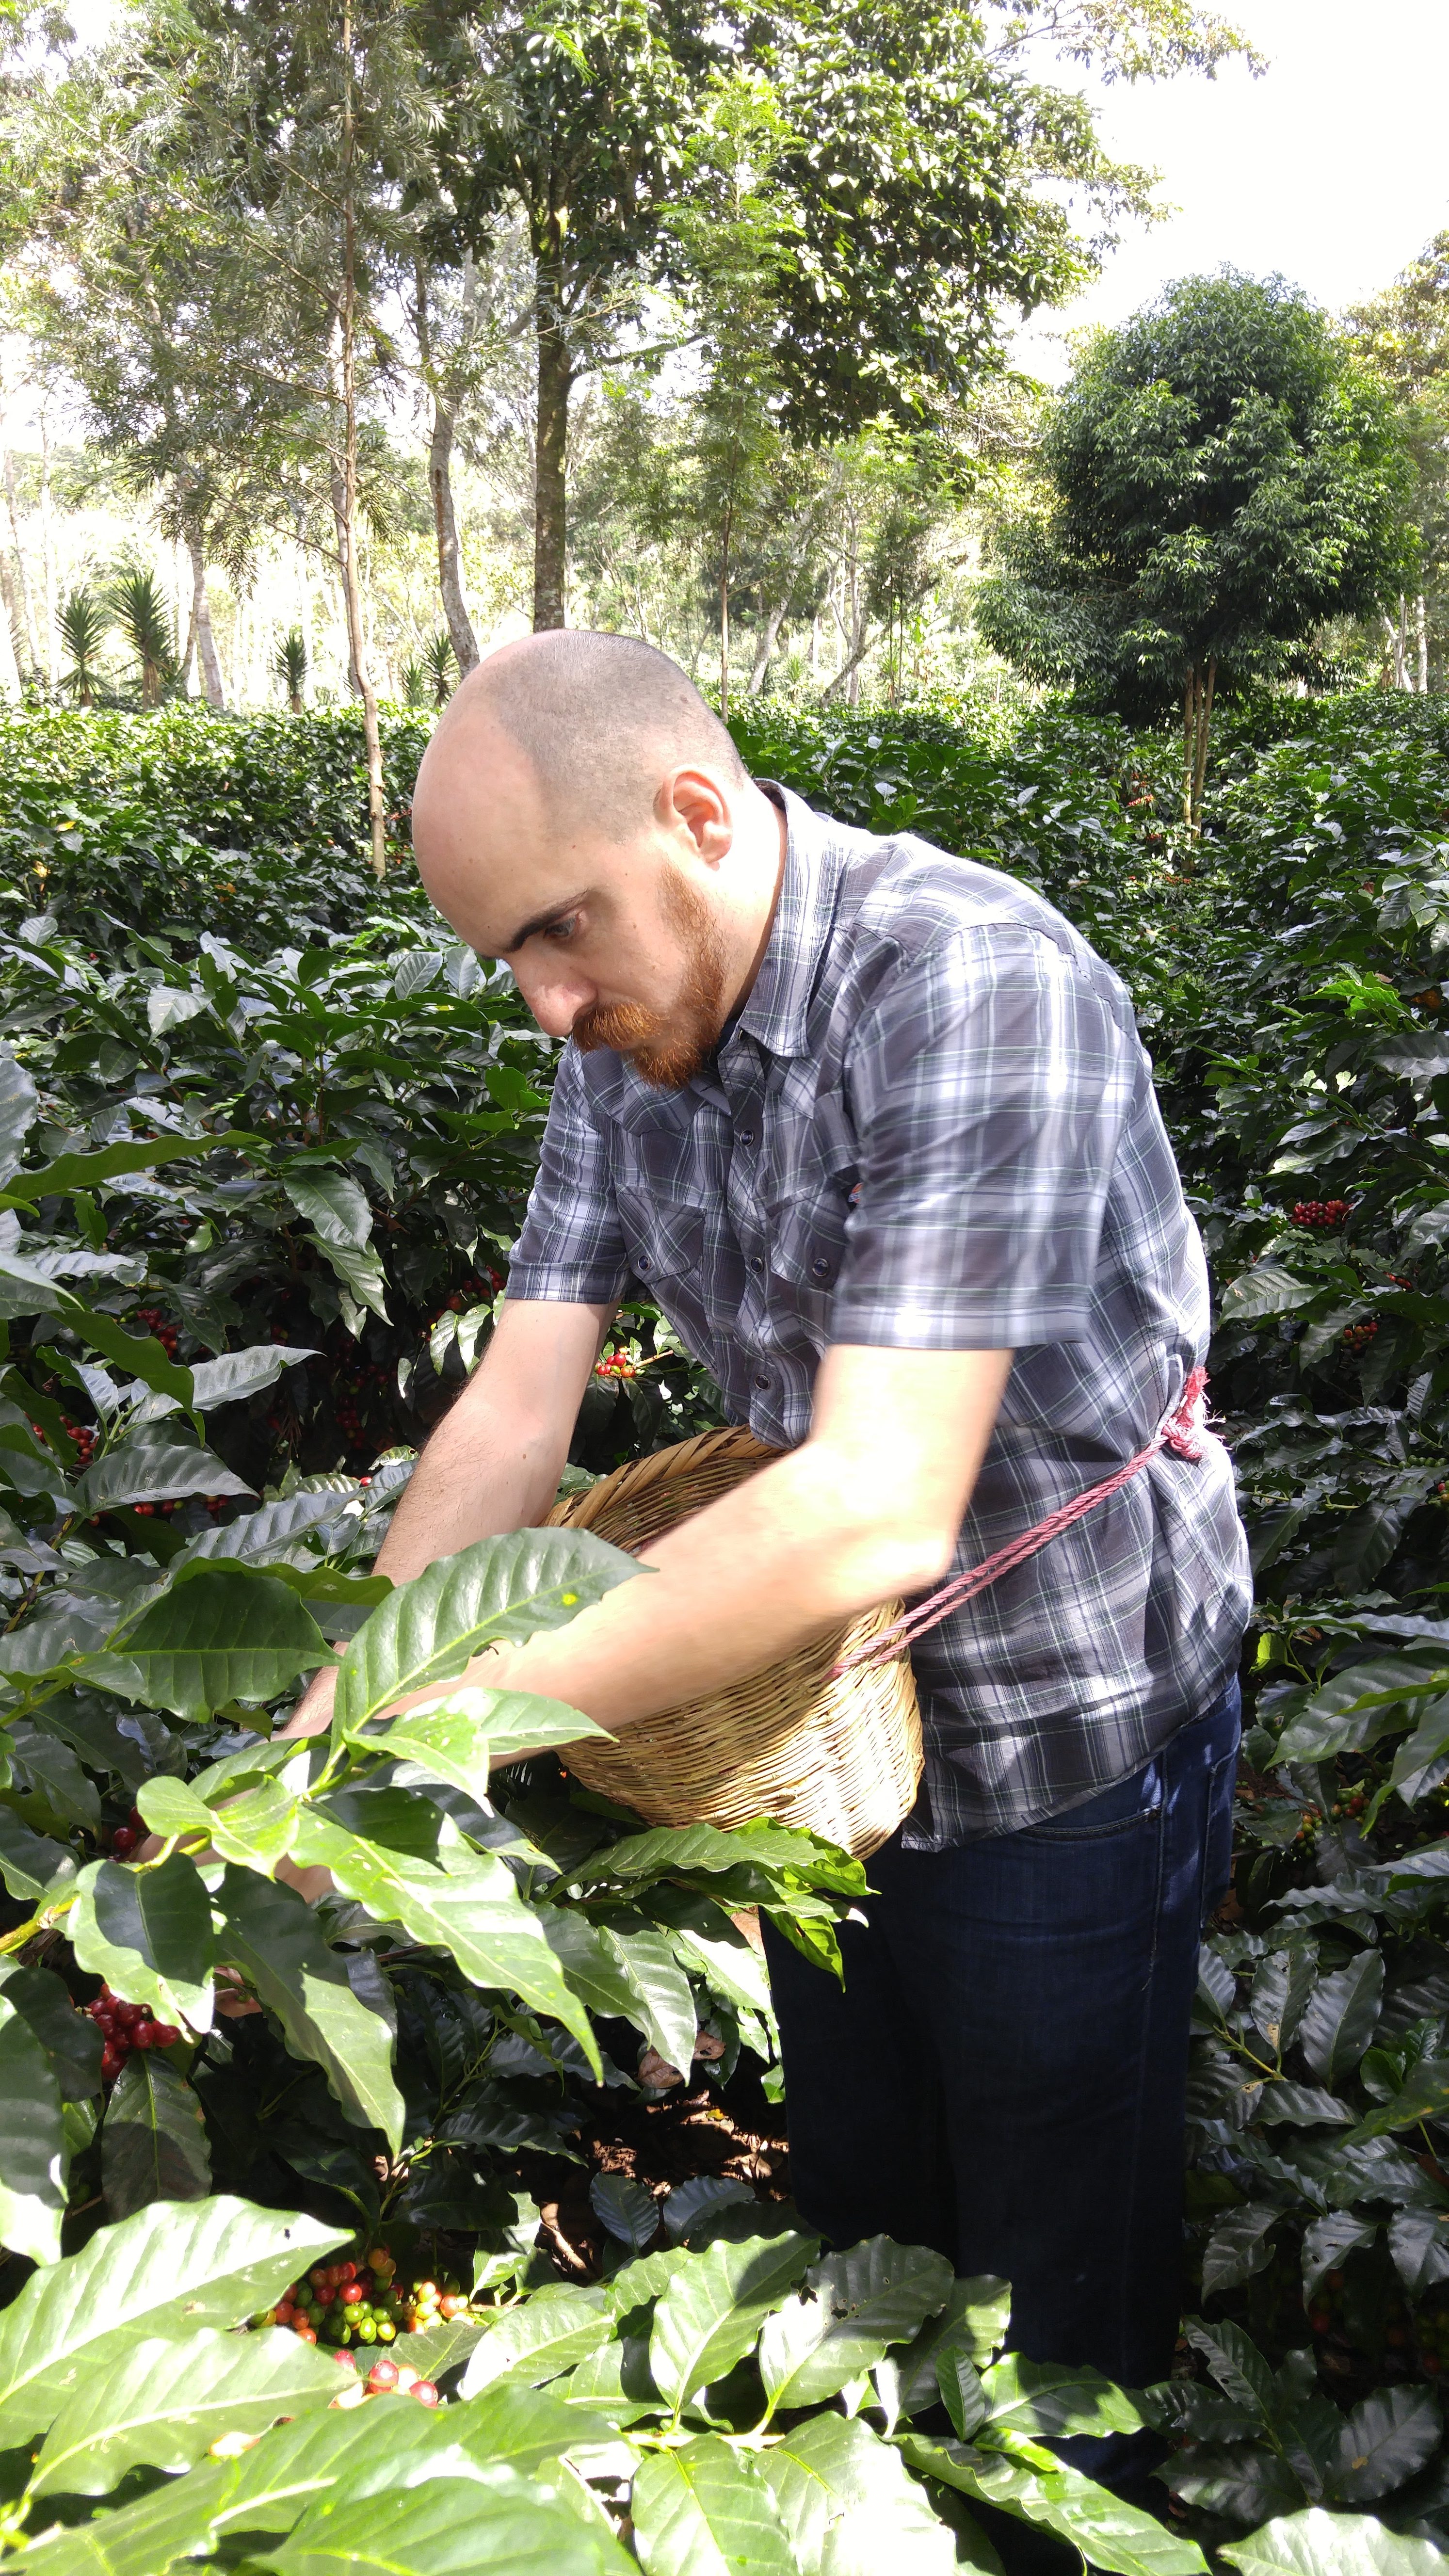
747, 1135
644, 1264
762, 1381
819, 1267
757, 1261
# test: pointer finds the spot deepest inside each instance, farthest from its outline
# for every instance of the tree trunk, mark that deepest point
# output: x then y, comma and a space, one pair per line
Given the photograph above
724, 619
550, 473
1421, 639
47, 557
1197, 711
1401, 645
10, 680
440, 485
205, 641
351, 584
765, 643
27, 605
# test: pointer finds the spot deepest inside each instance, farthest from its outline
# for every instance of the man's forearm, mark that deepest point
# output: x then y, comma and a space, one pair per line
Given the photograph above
494, 1462
867, 1508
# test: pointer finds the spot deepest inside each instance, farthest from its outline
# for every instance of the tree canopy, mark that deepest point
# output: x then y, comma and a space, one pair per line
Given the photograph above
1218, 477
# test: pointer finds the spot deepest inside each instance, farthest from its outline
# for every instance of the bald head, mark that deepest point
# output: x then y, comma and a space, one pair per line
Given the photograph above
582, 814
599, 719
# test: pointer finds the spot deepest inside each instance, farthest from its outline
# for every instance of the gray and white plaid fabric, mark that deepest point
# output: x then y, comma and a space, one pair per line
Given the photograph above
932, 1127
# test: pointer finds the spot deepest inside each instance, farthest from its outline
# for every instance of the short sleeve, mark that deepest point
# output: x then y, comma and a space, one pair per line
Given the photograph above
571, 1250
989, 1084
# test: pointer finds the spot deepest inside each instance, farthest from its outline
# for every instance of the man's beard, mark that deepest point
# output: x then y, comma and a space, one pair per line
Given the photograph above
667, 1049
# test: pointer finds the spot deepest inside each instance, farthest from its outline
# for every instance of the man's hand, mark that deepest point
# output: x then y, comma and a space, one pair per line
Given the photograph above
313, 1712
494, 1462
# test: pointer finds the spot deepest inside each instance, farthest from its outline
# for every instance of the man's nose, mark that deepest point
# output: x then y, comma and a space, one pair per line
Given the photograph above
556, 999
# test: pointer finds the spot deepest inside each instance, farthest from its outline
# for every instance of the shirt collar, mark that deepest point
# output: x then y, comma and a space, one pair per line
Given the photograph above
776, 1012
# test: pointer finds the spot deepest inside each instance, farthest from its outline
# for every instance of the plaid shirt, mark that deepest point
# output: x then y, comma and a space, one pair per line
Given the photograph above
932, 1127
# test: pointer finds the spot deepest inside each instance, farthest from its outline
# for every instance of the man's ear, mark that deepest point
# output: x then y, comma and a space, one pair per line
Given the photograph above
692, 802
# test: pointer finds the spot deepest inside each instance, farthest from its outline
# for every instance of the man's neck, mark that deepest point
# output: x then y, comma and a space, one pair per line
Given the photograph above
761, 841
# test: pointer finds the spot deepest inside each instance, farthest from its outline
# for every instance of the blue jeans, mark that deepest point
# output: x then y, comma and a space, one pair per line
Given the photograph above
1003, 2074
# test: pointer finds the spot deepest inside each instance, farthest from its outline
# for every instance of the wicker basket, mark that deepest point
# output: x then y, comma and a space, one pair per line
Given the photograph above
841, 1757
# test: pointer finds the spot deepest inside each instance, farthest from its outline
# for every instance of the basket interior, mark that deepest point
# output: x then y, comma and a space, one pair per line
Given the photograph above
636, 1511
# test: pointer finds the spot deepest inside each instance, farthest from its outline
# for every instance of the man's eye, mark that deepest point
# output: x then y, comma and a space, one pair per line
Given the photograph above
562, 930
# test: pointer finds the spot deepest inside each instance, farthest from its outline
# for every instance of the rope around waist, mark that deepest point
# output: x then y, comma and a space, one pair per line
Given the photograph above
1183, 1430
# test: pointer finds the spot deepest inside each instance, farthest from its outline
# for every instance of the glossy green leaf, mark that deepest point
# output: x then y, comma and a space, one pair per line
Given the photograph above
164, 2401
216, 1636
331, 1202
1238, 2246
1046, 2399
450, 2526
1236, 2364
1424, 2095
467, 1903
502, 1590
71, 1172
231, 1377
712, 2312
28, 1861
153, 2139
547, 2334
1110, 2534
459, 1737
148, 1933
267, 2488
1384, 2440
860, 2302
272, 1935
32, 2142
666, 1848
70, 2040
1341, 2017
1316, 2543
521, 2427
701, 2511
972, 2326
170, 2269
626, 2209
1419, 2245
17, 1113
836, 2484
147, 1473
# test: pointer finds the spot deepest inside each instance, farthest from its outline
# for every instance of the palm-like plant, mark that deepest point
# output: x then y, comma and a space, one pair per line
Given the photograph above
84, 625
290, 664
142, 614
413, 682
440, 667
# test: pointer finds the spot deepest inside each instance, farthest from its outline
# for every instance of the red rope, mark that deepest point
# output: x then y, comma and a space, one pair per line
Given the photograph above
1184, 1431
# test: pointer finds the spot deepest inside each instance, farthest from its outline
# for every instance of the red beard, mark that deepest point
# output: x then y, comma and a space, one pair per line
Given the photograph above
667, 1049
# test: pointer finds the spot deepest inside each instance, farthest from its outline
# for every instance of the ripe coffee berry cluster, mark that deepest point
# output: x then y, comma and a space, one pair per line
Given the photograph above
1324, 1214
124, 2027
166, 1333
1357, 1337
357, 2304
126, 1836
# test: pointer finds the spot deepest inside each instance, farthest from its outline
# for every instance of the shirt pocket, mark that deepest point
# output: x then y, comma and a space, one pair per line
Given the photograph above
663, 1238
809, 1237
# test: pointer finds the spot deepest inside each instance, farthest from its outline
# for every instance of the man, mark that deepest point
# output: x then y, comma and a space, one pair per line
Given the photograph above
874, 1127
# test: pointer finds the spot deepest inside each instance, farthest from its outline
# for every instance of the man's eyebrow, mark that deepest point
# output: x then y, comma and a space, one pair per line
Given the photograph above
541, 921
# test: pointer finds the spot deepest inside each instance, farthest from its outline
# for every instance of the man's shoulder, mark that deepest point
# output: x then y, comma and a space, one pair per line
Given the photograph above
902, 893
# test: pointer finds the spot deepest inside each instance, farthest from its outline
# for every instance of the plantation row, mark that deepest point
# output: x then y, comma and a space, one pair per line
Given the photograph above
261, 1179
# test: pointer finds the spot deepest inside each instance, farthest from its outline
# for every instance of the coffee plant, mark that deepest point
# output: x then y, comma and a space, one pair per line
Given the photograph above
266, 1133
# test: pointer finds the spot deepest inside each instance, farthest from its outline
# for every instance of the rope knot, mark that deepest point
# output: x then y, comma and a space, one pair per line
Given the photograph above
1185, 1429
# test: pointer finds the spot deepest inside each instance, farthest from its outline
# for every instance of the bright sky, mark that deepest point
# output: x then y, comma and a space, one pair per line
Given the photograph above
1331, 167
